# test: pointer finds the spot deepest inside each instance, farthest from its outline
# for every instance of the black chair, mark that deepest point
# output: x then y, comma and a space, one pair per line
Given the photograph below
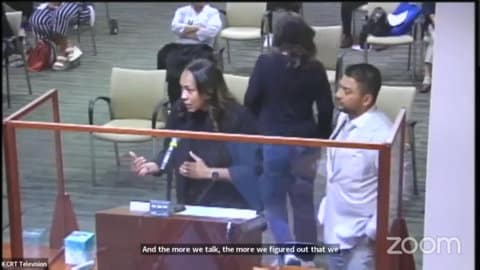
80, 25
14, 45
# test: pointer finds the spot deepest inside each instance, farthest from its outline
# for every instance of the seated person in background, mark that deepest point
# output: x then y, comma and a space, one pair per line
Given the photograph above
196, 27
197, 23
207, 105
51, 21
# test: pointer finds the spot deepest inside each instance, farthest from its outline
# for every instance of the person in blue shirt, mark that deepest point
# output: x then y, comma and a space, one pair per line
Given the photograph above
283, 87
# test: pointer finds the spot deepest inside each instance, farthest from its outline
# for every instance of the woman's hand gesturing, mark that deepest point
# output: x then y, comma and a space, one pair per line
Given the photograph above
141, 166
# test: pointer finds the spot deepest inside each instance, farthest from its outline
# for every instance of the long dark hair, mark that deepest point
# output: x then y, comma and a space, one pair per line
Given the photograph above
212, 87
295, 37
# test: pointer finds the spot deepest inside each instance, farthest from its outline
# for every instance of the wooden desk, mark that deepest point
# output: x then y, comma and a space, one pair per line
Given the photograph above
121, 232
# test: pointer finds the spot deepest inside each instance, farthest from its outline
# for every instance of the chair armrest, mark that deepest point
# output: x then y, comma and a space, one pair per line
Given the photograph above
339, 68
91, 105
222, 11
162, 107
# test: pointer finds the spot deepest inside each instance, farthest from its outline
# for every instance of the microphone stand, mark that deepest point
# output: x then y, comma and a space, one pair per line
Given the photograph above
207, 188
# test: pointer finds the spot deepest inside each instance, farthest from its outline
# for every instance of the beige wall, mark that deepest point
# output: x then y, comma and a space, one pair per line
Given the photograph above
449, 205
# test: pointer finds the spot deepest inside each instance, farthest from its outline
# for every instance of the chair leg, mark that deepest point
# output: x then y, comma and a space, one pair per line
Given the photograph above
414, 63
409, 56
92, 32
117, 156
354, 32
414, 163
78, 34
262, 38
27, 74
228, 52
92, 159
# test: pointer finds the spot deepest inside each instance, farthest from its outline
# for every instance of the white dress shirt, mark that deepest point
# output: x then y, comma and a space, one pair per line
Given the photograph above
208, 19
348, 211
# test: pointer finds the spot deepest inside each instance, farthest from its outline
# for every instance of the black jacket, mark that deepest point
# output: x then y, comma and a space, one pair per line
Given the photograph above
282, 98
242, 159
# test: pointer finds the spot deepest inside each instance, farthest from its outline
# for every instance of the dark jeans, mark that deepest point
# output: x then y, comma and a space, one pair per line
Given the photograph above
276, 182
347, 9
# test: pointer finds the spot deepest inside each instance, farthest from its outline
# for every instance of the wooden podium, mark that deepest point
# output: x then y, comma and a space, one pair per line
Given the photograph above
121, 232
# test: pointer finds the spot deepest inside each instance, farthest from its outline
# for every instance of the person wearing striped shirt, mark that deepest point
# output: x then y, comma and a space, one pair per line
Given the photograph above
51, 21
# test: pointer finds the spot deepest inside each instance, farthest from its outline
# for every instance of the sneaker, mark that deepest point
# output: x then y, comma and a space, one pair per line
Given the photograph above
268, 41
291, 259
15, 60
92, 16
73, 53
60, 64
359, 48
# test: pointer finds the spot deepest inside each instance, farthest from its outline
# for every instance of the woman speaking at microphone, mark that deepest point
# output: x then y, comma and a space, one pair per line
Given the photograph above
207, 105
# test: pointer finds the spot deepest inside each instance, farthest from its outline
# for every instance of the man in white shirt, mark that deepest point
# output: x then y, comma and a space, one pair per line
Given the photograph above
196, 27
196, 23
348, 212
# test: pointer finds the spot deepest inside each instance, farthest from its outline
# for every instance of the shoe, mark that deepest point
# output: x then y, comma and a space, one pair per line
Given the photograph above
347, 42
425, 88
275, 262
290, 259
359, 48
268, 41
61, 63
73, 53
92, 16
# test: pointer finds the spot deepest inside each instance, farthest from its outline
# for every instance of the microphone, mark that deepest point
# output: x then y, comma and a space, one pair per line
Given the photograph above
171, 146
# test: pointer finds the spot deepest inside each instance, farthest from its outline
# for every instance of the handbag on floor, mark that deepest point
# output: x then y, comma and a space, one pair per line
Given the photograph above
41, 56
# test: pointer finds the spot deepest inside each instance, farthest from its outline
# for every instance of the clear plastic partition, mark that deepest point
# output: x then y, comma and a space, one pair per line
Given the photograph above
37, 180
396, 174
213, 187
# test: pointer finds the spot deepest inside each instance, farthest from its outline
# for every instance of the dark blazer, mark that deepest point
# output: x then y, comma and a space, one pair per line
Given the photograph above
282, 98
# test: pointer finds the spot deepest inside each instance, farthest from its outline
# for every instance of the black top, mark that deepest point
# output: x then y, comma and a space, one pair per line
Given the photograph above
282, 98
240, 158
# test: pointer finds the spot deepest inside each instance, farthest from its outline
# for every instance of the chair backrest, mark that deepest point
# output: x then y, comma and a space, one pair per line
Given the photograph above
389, 7
14, 19
237, 85
327, 40
245, 14
135, 93
392, 98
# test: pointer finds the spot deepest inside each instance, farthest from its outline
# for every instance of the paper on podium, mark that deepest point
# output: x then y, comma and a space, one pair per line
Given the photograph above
218, 212
397, 19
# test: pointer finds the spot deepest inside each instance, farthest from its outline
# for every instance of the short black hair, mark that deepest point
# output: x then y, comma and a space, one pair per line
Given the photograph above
367, 76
